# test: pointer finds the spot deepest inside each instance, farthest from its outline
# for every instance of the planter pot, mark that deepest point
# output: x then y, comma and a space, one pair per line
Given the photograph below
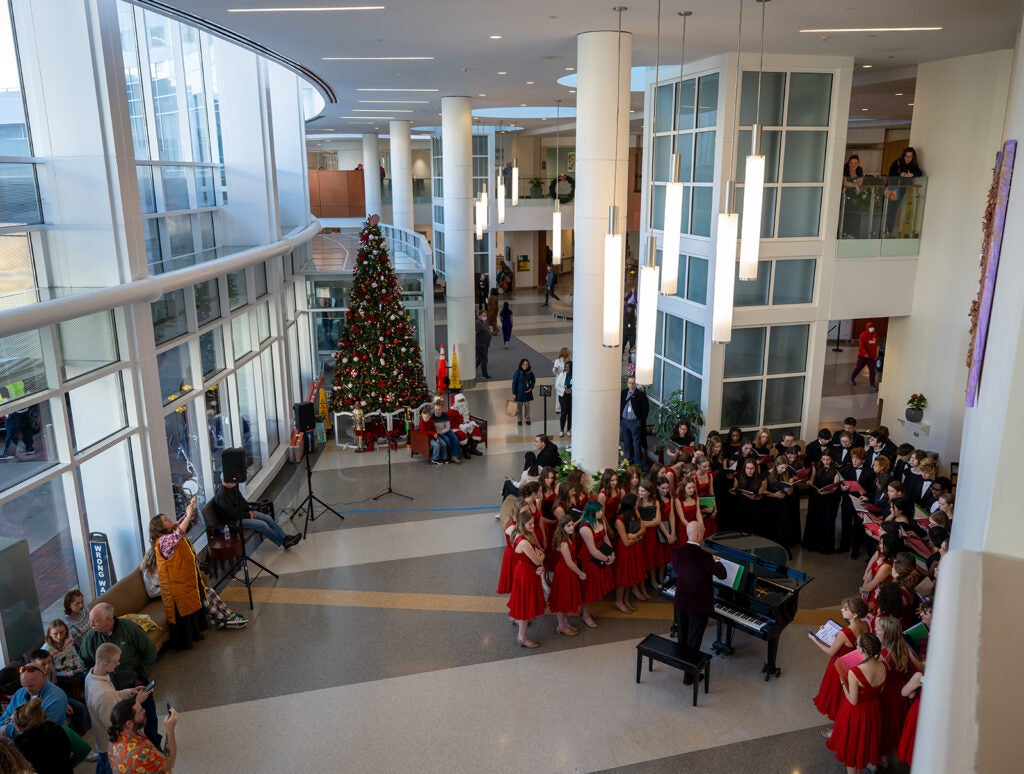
535, 192
915, 415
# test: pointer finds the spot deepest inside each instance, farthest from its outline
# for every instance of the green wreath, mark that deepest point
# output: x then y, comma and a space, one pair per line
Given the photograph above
553, 189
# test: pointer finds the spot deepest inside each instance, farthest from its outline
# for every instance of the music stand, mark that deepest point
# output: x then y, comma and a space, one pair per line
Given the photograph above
389, 489
311, 515
236, 528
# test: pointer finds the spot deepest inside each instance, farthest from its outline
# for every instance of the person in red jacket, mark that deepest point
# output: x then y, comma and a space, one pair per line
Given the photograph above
867, 354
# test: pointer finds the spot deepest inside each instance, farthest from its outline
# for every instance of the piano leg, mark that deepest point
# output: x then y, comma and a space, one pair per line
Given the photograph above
769, 669
720, 646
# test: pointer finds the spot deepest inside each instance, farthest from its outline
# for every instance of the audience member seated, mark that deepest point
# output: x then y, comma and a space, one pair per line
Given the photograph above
43, 743
438, 448
11, 759
66, 661
235, 508
531, 472
547, 452
443, 430
76, 616
35, 685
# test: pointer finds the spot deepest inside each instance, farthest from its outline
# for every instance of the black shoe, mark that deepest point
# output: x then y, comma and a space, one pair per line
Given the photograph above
478, 453
529, 422
291, 540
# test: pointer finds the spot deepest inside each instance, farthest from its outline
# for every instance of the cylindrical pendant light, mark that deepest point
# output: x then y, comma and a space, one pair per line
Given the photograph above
515, 182
753, 197
670, 244
753, 183
480, 217
556, 216
647, 317
500, 196
612, 326
673, 220
725, 273
613, 255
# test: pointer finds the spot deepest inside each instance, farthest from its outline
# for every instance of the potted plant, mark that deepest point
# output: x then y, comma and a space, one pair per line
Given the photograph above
535, 186
915, 407
672, 410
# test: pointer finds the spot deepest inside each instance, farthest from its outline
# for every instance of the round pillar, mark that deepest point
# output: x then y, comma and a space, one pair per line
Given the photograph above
401, 175
371, 174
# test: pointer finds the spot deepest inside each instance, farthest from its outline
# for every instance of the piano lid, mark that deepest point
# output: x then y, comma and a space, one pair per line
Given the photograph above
775, 574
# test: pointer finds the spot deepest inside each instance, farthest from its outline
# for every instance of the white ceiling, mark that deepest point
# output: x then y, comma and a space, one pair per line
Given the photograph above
539, 42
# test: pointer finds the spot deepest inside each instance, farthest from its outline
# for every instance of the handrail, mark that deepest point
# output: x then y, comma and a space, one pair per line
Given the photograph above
146, 289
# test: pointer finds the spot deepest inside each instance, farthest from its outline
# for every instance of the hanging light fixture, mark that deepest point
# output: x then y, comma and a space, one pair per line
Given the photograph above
499, 183
728, 226
647, 316
753, 183
556, 216
612, 328
674, 197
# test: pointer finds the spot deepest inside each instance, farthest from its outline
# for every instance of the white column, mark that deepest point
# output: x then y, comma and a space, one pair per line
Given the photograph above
601, 180
401, 175
371, 174
457, 171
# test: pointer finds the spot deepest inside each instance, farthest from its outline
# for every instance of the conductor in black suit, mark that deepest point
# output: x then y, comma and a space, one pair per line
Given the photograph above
695, 597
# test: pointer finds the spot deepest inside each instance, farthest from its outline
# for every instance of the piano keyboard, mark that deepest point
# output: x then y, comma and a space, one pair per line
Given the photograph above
743, 618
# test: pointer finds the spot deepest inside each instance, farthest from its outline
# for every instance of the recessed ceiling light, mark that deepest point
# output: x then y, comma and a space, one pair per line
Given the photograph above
530, 83
376, 58
569, 69
864, 109
522, 104
898, 94
309, 10
417, 90
377, 110
394, 102
910, 104
866, 67
369, 118
481, 95
572, 91
502, 72
877, 29
494, 37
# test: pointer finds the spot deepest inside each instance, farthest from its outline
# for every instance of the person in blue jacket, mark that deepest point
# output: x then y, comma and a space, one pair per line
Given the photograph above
523, 381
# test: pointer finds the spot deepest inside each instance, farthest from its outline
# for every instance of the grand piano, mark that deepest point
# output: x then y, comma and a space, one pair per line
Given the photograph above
759, 596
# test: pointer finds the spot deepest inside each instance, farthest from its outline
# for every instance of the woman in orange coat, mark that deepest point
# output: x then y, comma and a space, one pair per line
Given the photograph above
180, 583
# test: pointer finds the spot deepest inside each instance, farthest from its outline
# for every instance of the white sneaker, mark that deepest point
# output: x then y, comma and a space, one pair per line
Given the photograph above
92, 757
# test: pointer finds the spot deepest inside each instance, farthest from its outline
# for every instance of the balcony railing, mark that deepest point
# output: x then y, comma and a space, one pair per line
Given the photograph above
882, 218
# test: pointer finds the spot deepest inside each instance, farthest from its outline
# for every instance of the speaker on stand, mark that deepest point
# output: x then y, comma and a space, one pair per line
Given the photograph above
233, 471
304, 417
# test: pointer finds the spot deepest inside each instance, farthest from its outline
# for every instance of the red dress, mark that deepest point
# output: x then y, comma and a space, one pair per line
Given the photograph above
611, 510
858, 728
894, 706
652, 552
599, 577
565, 596
668, 515
526, 601
830, 693
689, 513
505, 576
629, 568
905, 751
877, 565
705, 490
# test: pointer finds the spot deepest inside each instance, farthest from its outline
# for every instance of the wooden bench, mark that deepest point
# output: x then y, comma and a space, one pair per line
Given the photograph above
419, 442
695, 663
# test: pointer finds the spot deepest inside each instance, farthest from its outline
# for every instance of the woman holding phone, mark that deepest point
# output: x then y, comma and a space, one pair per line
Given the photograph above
181, 585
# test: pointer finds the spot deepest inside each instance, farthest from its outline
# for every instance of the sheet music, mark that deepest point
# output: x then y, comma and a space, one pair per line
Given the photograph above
828, 632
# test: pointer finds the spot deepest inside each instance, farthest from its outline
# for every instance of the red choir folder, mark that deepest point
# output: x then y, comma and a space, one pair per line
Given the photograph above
854, 486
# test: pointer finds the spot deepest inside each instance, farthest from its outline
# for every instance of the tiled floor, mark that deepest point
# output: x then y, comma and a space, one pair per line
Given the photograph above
383, 647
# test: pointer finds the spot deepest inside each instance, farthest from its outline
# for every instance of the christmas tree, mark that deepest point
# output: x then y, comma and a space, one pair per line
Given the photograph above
378, 365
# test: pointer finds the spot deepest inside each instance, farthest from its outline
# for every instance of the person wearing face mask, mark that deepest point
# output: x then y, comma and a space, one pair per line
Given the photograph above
867, 354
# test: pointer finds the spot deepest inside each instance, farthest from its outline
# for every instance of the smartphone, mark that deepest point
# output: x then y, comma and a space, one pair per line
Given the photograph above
168, 709
149, 687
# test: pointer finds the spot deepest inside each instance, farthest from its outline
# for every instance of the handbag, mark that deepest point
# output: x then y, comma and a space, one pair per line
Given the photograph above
604, 549
511, 408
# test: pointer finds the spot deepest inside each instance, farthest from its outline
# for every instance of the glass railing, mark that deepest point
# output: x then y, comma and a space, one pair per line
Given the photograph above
19, 196
882, 218
420, 191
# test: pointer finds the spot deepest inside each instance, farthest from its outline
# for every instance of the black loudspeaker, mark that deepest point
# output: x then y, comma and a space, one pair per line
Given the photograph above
304, 416
233, 466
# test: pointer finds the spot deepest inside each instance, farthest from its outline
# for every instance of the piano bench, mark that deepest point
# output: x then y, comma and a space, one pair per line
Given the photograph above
695, 663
